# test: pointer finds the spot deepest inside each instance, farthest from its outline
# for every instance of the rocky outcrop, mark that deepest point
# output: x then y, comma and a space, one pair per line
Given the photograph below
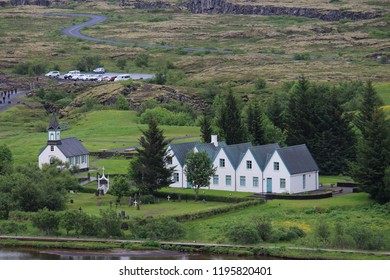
225, 7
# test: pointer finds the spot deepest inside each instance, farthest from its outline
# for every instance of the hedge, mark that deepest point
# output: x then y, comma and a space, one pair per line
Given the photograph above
206, 197
216, 211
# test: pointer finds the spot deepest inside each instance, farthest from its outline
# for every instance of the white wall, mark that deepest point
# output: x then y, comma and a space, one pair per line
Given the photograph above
311, 182
222, 172
178, 169
249, 174
46, 154
276, 175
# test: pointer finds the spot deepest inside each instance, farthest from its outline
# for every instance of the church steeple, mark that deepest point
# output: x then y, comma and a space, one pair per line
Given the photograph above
54, 131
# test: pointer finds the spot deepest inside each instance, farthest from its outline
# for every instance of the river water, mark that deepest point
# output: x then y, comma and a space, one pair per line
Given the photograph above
60, 254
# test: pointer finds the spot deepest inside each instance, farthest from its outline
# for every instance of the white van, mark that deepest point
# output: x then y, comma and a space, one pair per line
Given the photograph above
71, 73
122, 77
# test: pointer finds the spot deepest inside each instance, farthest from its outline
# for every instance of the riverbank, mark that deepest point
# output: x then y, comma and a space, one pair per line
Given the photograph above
249, 251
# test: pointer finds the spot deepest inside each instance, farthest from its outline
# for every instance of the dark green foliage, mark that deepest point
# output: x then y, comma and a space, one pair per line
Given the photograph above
255, 124
30, 68
166, 117
120, 187
88, 63
373, 152
69, 220
229, 121
156, 228
260, 83
142, 60
147, 199
205, 128
31, 188
111, 223
121, 103
243, 233
121, 63
89, 225
198, 169
276, 110
47, 221
12, 228
6, 160
315, 118
264, 227
148, 170
322, 230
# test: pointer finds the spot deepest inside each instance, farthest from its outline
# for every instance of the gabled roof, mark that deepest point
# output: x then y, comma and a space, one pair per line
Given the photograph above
71, 147
181, 150
54, 123
263, 153
236, 152
297, 159
209, 148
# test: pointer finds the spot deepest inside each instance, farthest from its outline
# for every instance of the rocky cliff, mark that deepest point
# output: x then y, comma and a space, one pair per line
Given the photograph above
226, 7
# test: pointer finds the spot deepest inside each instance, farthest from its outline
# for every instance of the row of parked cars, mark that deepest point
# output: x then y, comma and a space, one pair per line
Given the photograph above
76, 75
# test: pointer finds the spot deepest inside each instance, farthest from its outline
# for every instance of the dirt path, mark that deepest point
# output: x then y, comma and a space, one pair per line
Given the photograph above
11, 101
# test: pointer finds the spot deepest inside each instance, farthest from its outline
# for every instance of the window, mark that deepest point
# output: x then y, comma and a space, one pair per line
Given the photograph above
215, 180
169, 160
255, 182
248, 164
228, 180
276, 165
83, 159
282, 183
304, 180
242, 181
77, 160
221, 162
52, 148
175, 177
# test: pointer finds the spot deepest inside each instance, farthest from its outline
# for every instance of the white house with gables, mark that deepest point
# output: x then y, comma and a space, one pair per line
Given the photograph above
67, 149
246, 168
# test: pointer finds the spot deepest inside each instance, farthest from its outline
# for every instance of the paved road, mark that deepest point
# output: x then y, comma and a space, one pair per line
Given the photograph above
12, 101
75, 31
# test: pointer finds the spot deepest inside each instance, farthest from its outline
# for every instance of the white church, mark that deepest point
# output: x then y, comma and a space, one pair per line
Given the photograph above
67, 149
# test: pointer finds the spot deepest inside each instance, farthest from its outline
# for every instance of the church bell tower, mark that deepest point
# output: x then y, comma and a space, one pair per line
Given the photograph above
54, 131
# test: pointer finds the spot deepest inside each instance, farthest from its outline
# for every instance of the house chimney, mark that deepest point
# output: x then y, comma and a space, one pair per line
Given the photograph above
214, 140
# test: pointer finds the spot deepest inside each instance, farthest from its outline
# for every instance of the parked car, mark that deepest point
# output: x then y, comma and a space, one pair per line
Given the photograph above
70, 74
99, 70
53, 74
90, 77
112, 78
103, 78
123, 77
77, 77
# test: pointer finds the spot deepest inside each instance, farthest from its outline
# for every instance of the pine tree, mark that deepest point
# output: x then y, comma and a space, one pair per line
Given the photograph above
148, 170
205, 129
255, 124
229, 121
373, 153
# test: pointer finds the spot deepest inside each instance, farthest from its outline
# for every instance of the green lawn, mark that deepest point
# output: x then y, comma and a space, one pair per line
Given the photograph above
89, 204
328, 180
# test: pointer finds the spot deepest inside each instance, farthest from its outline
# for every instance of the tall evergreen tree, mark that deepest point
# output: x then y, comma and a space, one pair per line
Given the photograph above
6, 160
373, 153
205, 128
255, 124
229, 121
299, 112
148, 170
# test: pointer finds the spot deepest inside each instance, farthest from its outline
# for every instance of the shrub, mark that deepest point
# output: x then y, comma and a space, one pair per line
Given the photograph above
243, 233
166, 117
301, 56
260, 83
264, 227
89, 225
121, 63
30, 68
156, 228
142, 60
12, 228
322, 230
121, 103
111, 223
147, 199
20, 216
47, 221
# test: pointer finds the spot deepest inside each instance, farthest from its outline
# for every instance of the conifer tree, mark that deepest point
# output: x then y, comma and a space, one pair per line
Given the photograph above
373, 153
148, 170
205, 128
255, 124
229, 121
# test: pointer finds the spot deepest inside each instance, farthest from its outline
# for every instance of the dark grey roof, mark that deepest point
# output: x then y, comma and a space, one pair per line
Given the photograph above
209, 148
236, 152
71, 147
54, 123
298, 159
263, 153
181, 150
